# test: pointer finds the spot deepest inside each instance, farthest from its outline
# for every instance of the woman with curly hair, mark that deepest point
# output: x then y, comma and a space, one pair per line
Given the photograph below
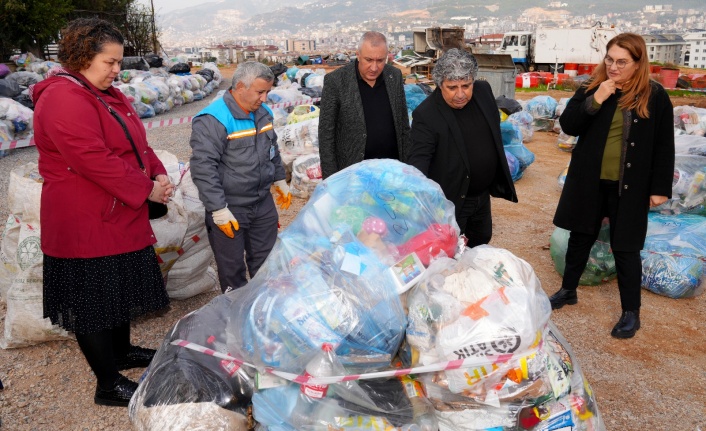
622, 165
100, 269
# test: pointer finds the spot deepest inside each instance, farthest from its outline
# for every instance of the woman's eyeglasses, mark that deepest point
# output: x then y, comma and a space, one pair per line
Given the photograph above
619, 63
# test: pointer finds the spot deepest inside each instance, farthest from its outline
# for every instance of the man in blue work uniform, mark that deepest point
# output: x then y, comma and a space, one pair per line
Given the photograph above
234, 162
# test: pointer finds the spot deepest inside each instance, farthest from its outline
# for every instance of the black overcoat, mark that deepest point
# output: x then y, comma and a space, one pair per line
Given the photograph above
438, 149
647, 164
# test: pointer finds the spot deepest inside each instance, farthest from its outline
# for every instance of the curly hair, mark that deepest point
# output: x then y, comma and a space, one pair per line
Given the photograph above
82, 39
455, 64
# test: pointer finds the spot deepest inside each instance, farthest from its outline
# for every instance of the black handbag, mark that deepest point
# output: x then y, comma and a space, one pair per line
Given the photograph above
156, 209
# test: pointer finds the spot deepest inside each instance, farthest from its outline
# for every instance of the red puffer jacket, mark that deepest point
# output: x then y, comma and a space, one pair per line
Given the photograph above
94, 194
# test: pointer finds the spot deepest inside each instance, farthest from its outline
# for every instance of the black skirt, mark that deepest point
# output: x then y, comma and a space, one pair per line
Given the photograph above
89, 295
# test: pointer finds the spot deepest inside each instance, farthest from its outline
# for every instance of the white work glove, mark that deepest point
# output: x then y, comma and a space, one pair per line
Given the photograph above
226, 222
284, 196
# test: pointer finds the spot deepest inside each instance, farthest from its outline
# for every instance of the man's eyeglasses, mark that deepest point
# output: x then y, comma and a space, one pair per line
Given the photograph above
619, 63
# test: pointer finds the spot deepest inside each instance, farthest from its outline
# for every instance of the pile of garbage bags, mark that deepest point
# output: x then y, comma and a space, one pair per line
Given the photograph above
690, 120
155, 91
512, 136
294, 84
369, 278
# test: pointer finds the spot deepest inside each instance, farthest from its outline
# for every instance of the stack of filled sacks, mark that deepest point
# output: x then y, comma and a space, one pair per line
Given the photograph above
22, 264
333, 279
182, 246
298, 142
486, 315
156, 91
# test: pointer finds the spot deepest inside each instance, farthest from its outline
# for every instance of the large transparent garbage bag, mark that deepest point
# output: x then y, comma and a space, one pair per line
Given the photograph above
512, 142
690, 119
688, 186
514, 165
370, 404
690, 145
523, 120
542, 107
334, 277
674, 255
555, 395
601, 262
489, 308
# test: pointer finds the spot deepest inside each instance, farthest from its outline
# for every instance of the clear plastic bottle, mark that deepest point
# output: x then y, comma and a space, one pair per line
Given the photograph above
422, 411
320, 365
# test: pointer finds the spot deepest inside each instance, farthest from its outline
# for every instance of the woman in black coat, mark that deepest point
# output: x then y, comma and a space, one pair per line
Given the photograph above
622, 165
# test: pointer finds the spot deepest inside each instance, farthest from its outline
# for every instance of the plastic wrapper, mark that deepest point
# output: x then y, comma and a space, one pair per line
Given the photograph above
488, 304
601, 262
334, 276
512, 141
306, 175
566, 142
690, 119
524, 121
674, 256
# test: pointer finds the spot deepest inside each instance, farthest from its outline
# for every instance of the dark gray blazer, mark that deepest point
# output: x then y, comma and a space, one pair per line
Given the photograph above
342, 131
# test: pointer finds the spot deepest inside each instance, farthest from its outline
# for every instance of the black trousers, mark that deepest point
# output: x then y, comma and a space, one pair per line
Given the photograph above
627, 263
475, 219
250, 247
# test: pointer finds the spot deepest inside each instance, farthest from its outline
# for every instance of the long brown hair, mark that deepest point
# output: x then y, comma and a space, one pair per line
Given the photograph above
636, 91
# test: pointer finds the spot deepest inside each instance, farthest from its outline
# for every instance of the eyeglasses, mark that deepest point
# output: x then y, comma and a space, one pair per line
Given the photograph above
619, 63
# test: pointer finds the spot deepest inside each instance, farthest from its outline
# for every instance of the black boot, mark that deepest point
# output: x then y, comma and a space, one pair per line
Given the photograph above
563, 297
118, 395
628, 325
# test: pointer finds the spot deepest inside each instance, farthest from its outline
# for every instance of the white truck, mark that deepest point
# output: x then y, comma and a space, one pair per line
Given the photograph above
549, 49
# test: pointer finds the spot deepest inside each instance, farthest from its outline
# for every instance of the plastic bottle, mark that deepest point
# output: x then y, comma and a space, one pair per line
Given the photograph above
320, 366
422, 412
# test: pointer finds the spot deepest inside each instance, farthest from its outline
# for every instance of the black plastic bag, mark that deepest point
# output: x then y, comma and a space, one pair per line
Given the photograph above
136, 63
180, 68
153, 60
206, 73
9, 88
508, 106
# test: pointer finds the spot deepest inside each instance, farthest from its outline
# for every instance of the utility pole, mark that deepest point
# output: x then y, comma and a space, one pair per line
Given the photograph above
155, 48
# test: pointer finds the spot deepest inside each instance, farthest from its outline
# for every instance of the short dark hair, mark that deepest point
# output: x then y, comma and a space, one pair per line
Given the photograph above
84, 38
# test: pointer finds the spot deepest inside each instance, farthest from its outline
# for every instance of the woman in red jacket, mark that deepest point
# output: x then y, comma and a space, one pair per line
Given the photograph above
100, 269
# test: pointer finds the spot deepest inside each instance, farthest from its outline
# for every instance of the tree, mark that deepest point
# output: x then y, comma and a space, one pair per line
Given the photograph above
29, 25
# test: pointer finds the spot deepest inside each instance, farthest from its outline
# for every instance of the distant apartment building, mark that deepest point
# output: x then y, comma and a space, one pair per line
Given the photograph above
654, 8
665, 48
300, 45
696, 49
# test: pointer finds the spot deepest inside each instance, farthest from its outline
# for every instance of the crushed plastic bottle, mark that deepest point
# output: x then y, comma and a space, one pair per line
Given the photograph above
320, 366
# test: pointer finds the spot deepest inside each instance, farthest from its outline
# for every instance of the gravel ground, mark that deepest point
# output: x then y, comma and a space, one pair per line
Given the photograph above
655, 381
